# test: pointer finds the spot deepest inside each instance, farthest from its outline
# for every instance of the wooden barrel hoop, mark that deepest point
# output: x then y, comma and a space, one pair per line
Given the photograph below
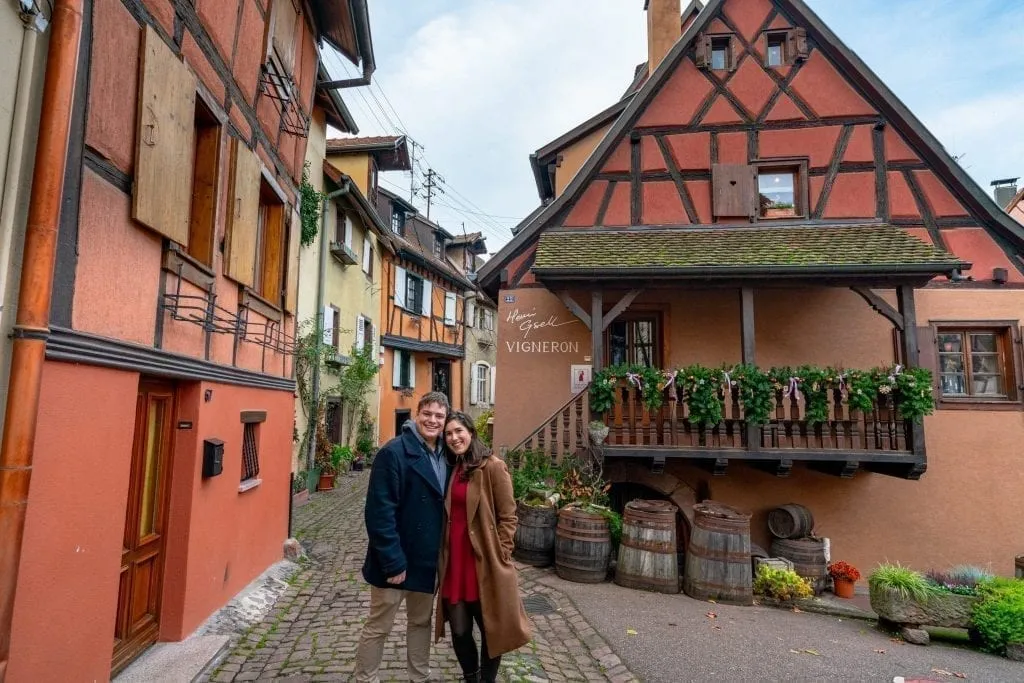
535, 535
647, 553
808, 558
718, 557
790, 521
583, 546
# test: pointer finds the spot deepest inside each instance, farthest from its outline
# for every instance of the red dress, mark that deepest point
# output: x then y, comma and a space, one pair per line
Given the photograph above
460, 576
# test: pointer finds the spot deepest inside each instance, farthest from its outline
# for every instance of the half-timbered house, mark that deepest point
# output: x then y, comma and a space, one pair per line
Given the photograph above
759, 196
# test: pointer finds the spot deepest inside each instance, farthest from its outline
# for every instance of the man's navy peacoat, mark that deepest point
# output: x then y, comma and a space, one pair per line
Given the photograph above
404, 516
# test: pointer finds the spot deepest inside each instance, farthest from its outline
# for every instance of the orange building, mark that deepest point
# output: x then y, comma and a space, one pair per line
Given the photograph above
160, 451
759, 196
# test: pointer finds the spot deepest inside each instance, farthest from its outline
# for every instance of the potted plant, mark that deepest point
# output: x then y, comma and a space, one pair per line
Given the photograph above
364, 446
341, 458
598, 432
844, 576
904, 597
300, 487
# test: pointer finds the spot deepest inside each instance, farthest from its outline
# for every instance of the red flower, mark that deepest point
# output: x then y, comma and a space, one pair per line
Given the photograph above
843, 570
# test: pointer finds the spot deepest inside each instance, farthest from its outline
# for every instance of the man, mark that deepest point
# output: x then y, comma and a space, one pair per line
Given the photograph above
404, 517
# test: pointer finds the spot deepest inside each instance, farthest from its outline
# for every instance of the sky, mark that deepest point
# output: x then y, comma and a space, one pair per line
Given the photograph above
481, 84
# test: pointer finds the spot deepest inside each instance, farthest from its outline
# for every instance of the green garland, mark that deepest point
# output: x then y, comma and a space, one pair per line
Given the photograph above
703, 389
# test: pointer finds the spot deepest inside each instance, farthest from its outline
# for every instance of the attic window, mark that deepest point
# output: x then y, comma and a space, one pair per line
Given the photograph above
778, 192
776, 55
397, 220
439, 245
720, 57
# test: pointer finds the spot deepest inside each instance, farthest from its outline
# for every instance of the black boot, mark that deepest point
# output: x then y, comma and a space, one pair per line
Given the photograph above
472, 678
489, 670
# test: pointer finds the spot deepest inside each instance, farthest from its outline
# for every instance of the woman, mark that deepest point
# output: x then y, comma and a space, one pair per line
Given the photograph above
478, 580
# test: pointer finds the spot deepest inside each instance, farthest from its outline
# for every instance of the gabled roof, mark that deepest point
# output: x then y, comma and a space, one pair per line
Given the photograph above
1004, 228
346, 27
390, 151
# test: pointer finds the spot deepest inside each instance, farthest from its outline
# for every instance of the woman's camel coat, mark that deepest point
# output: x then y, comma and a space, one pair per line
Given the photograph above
491, 512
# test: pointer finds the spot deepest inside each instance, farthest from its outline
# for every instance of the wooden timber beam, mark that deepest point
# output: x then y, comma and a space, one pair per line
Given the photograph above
753, 431
881, 306
619, 308
574, 307
910, 353
596, 331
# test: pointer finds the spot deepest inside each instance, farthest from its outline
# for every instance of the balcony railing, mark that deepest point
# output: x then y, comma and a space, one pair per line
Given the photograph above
631, 423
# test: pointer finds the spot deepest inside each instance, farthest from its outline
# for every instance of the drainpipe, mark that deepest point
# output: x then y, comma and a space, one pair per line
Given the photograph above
31, 326
320, 279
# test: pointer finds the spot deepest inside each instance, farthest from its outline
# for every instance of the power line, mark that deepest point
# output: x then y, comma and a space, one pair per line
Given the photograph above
433, 186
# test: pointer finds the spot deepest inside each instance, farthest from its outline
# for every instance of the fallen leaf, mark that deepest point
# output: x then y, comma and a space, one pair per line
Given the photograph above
942, 672
881, 652
716, 628
806, 652
671, 623
630, 632
797, 609
713, 602
711, 615
898, 640
959, 675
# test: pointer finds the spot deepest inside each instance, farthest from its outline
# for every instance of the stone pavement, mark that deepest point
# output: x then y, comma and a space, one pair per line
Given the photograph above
312, 632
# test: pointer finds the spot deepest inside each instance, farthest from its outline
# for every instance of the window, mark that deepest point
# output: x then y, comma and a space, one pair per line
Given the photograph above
721, 59
343, 229
777, 192
404, 370
634, 339
414, 292
250, 451
776, 55
439, 245
335, 326
364, 333
284, 20
397, 220
485, 319
976, 362
270, 246
480, 391
206, 161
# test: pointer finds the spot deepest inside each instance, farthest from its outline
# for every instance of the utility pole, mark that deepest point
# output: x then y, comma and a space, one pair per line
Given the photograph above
412, 171
432, 185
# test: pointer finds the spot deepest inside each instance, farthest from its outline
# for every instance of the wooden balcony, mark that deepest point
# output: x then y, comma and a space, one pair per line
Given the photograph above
848, 441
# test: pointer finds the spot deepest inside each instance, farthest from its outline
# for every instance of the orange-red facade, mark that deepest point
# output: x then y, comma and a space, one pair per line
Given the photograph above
207, 315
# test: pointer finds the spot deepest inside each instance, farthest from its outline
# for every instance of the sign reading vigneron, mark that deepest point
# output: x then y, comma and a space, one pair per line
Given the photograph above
531, 328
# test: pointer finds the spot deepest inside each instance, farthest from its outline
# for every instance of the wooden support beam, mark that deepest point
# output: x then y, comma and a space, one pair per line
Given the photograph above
911, 356
753, 431
619, 308
881, 306
596, 330
574, 307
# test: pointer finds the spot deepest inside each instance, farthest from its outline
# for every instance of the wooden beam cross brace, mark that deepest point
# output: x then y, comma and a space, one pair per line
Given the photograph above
619, 308
575, 308
881, 306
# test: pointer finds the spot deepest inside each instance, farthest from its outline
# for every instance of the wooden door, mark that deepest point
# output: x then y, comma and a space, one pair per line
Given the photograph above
138, 600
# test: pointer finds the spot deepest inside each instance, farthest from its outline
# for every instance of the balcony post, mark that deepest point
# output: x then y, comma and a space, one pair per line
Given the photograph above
749, 354
909, 349
597, 330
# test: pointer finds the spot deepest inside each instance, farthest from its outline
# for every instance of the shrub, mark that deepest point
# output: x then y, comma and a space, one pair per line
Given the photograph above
962, 579
903, 581
999, 616
481, 427
782, 584
533, 473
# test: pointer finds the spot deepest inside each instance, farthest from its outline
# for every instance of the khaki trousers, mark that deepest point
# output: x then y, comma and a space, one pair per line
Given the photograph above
384, 604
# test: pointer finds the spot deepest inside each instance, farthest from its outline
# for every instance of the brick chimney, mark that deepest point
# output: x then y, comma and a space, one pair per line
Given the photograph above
663, 29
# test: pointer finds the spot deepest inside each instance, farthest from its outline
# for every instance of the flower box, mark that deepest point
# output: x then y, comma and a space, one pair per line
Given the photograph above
947, 610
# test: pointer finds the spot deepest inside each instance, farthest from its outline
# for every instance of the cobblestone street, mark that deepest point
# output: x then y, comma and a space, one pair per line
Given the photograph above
312, 631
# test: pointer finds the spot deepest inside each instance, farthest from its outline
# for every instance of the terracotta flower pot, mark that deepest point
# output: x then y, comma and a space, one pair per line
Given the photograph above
843, 588
326, 481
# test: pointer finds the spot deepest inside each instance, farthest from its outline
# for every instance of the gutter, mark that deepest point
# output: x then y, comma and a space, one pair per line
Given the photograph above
361, 18
31, 327
321, 279
712, 272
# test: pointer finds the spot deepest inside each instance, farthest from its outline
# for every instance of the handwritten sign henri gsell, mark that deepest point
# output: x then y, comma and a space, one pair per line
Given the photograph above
528, 323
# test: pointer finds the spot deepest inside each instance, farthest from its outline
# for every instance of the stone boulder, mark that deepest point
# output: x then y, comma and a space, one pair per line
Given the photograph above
942, 609
1015, 651
915, 636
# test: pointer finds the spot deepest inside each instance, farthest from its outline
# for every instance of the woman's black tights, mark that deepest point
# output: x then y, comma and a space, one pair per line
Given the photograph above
460, 617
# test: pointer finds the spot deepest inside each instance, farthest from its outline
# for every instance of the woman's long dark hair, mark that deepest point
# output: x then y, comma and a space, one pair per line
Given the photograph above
476, 454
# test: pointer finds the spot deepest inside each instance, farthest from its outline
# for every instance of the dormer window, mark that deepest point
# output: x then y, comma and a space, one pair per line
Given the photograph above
776, 55
397, 220
438, 245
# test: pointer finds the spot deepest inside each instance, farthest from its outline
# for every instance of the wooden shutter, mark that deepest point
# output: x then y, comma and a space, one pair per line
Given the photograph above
360, 331
243, 214
396, 368
734, 189
449, 308
470, 313
1017, 356
400, 287
494, 372
291, 294
735, 52
283, 38
703, 54
474, 388
165, 142
367, 254
328, 314
796, 45
348, 230
427, 308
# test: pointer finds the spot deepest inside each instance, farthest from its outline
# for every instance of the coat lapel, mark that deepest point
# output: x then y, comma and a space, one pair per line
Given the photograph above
419, 462
474, 492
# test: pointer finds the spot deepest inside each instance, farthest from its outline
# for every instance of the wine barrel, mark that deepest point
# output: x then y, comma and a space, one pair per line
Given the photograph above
535, 534
1018, 563
647, 552
807, 556
583, 545
718, 557
790, 521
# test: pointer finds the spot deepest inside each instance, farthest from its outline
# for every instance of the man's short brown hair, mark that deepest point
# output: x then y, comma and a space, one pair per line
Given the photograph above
434, 397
